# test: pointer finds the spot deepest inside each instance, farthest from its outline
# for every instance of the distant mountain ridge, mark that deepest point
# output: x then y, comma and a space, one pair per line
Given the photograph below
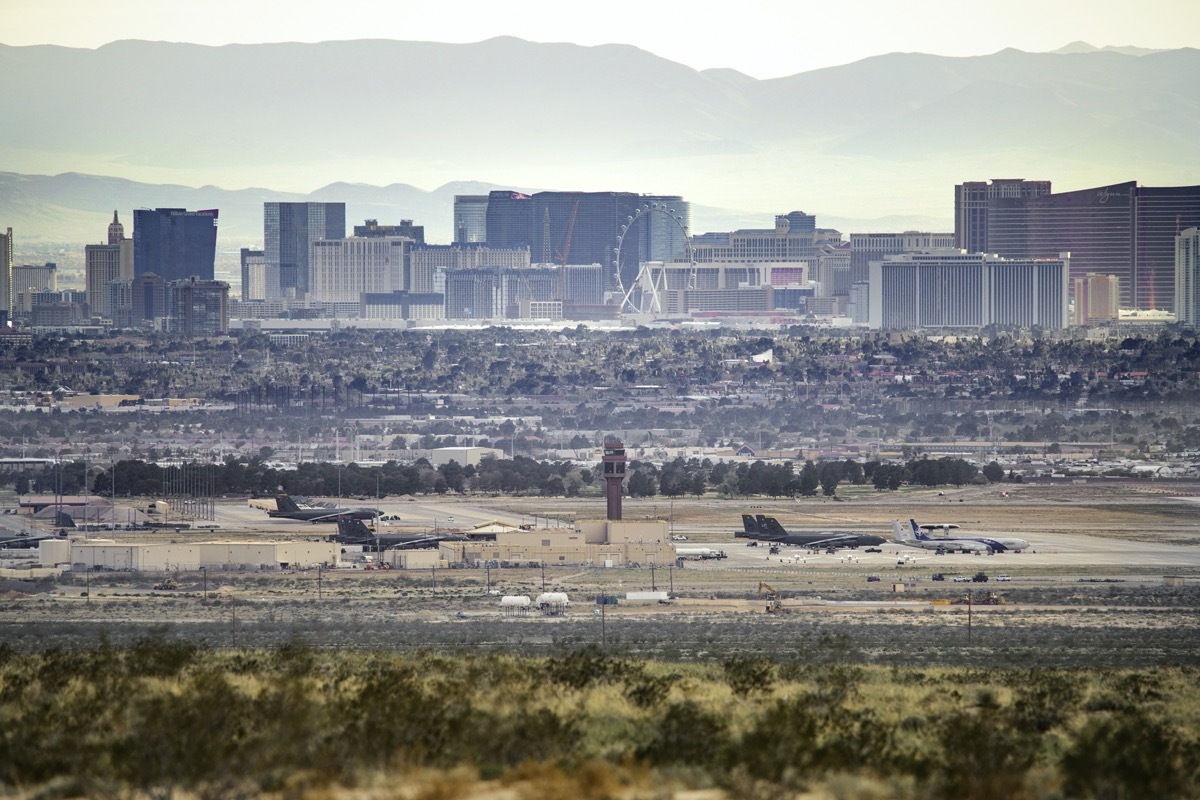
1084, 47
32, 199
887, 136
77, 208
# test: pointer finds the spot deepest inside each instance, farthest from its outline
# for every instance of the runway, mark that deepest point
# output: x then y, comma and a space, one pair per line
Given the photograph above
1079, 547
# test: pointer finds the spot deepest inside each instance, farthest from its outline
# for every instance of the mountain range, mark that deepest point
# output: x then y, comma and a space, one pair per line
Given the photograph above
370, 121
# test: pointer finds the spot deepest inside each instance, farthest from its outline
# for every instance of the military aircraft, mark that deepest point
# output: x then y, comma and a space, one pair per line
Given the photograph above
915, 537
769, 529
19, 541
352, 530
286, 508
997, 543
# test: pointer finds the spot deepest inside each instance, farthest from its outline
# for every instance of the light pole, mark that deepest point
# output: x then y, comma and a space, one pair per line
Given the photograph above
970, 593
204, 575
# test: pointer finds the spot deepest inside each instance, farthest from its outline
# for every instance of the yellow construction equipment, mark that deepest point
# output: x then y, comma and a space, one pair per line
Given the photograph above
979, 599
774, 601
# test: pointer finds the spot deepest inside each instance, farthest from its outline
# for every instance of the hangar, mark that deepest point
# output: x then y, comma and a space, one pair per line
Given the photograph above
107, 554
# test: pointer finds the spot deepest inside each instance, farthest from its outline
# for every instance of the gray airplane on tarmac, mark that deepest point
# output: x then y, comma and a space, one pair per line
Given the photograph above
915, 537
354, 531
286, 508
769, 529
996, 543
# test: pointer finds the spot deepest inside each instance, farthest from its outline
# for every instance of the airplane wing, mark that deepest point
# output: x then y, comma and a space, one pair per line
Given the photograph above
415, 544
334, 513
833, 538
425, 541
24, 542
332, 517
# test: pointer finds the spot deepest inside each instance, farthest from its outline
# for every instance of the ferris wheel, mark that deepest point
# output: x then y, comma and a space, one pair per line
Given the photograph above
650, 286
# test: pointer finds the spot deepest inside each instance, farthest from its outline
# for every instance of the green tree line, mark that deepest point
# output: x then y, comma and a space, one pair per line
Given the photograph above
518, 476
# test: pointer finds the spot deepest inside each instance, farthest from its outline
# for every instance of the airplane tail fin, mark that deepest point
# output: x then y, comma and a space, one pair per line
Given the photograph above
351, 530
749, 524
285, 503
917, 532
770, 525
899, 532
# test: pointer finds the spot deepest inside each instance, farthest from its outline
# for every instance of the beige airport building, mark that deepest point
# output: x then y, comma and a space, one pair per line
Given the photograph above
107, 554
611, 542
600, 543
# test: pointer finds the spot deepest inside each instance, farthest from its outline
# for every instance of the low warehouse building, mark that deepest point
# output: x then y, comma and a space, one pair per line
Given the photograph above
414, 559
98, 554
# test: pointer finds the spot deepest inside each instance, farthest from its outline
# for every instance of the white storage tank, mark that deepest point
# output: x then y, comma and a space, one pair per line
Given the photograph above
514, 604
552, 602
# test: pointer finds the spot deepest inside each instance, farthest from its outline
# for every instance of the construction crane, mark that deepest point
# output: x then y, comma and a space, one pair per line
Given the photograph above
562, 262
774, 601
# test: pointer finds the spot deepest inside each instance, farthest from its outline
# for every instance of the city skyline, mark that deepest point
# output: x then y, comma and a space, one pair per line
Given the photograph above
760, 39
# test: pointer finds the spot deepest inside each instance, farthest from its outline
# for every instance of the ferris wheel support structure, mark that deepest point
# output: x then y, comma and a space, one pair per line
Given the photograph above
660, 282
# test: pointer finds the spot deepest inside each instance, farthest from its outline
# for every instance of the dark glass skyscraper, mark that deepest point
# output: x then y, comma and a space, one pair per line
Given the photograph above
971, 201
1121, 230
174, 243
288, 231
1162, 214
585, 227
470, 218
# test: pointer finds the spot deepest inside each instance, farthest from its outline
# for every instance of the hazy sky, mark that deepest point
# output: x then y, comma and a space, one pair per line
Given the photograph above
763, 38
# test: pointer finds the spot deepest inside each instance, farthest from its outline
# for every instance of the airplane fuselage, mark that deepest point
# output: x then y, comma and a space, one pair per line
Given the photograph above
995, 543
950, 545
325, 514
990, 543
815, 540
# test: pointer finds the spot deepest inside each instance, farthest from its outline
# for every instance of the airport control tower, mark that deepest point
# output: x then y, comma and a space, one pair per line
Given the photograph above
614, 473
